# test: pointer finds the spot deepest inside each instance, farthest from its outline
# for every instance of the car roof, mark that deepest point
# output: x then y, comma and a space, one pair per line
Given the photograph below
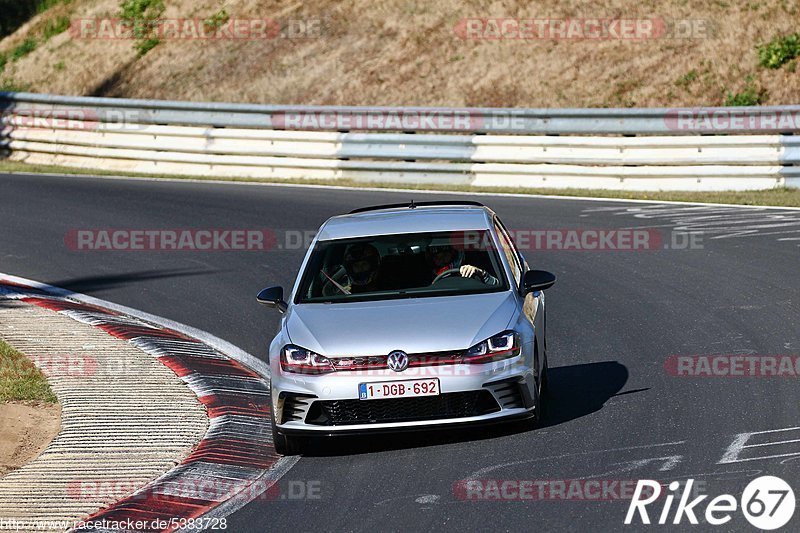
418, 219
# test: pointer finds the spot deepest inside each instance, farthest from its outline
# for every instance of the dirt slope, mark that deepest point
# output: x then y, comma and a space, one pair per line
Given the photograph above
396, 52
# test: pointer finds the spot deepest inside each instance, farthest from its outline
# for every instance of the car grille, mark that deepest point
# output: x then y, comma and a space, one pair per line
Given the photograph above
376, 362
450, 405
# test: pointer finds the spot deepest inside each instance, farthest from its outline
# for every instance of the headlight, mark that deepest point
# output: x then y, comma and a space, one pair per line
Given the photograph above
501, 346
301, 361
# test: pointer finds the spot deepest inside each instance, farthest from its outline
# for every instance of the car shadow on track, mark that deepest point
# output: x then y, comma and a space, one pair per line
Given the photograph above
580, 390
575, 391
90, 284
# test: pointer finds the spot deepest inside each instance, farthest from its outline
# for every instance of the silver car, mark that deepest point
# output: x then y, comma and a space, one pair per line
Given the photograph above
405, 317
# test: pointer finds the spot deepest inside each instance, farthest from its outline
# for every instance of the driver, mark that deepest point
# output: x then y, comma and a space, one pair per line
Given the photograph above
446, 257
362, 263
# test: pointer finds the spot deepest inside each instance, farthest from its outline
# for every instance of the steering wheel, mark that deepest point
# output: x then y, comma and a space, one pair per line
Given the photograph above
446, 273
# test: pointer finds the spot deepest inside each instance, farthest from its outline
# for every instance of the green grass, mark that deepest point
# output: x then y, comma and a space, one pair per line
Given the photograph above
750, 96
145, 45
144, 15
55, 26
215, 21
24, 48
15, 13
779, 51
44, 5
742, 99
781, 197
687, 79
9, 85
20, 380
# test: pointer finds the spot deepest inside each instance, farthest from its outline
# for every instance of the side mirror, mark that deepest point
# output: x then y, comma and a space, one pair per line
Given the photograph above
537, 280
272, 297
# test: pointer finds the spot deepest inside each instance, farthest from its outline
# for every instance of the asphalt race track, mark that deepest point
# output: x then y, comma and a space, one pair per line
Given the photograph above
614, 319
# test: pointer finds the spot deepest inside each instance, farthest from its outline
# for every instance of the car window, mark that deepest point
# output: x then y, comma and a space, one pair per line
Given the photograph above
514, 247
511, 255
412, 265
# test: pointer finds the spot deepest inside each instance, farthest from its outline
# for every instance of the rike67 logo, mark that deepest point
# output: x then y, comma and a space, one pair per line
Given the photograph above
767, 502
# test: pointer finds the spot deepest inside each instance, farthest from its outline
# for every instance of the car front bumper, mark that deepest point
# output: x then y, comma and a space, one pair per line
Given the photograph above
328, 404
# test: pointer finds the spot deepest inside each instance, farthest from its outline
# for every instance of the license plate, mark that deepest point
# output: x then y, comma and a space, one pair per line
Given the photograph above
398, 389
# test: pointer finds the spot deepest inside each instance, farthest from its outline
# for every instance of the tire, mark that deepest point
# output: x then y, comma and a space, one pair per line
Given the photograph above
285, 444
544, 390
539, 411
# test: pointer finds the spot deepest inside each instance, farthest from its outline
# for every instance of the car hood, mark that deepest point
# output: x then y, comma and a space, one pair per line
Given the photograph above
412, 325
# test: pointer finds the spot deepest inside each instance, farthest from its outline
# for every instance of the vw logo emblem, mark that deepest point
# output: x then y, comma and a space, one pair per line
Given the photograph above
397, 361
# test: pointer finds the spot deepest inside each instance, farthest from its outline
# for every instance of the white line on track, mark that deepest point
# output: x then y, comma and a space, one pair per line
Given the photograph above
717, 222
739, 445
486, 470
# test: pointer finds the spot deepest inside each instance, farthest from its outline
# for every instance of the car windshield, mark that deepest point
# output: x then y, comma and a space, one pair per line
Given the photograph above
411, 265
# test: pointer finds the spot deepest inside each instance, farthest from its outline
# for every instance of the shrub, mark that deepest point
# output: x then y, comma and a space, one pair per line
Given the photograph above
750, 96
779, 51
144, 15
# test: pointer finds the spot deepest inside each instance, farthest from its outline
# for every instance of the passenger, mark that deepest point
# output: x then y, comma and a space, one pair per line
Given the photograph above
362, 262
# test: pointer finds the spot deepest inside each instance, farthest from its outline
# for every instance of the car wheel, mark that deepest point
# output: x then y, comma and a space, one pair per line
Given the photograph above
544, 390
540, 401
285, 444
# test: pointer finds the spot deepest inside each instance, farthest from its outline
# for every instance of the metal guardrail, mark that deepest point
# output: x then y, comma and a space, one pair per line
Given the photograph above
600, 148
610, 121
